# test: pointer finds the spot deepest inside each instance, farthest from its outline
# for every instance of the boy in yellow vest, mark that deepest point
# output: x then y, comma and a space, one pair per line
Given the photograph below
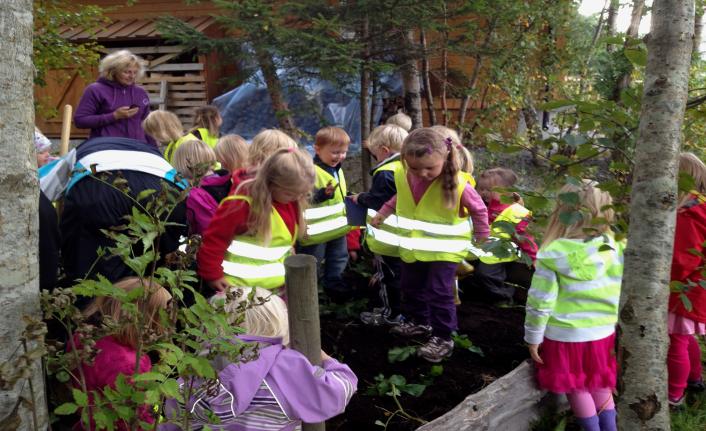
327, 225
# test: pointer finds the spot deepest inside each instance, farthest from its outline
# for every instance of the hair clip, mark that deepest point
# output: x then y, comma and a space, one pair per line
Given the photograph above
290, 149
449, 143
429, 149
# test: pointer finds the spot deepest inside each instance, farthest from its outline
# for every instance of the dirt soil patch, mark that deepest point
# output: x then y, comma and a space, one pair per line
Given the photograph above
497, 331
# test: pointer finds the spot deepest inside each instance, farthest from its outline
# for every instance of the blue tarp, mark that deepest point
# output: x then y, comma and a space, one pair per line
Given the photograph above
314, 104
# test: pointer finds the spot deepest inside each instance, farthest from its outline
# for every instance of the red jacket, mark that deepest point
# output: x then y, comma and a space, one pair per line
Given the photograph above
690, 234
230, 220
523, 239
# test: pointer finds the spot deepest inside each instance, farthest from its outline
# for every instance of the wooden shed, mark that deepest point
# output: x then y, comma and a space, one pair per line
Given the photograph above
177, 79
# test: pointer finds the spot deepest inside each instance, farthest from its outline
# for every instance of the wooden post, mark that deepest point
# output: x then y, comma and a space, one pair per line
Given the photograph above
303, 305
65, 130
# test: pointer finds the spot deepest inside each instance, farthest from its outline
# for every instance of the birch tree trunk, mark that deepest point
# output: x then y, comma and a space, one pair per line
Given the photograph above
274, 88
410, 81
623, 82
643, 313
22, 403
426, 78
698, 30
365, 112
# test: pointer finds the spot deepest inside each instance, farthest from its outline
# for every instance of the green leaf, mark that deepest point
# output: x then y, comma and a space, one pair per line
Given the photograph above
570, 198
81, 398
150, 376
144, 193
686, 182
637, 56
66, 409
571, 217
399, 354
436, 370
397, 380
170, 388
413, 389
686, 301
574, 140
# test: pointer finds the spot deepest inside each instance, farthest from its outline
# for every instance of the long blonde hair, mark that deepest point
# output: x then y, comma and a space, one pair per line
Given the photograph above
163, 126
289, 169
465, 158
128, 333
425, 141
691, 165
266, 143
232, 152
265, 316
595, 207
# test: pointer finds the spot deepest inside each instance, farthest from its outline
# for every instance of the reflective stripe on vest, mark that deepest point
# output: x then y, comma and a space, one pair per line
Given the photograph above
327, 220
249, 262
383, 240
513, 214
428, 230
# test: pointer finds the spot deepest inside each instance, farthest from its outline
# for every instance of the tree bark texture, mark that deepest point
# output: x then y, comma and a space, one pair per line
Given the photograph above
698, 30
412, 88
22, 403
274, 88
643, 312
365, 114
427, 80
611, 25
623, 82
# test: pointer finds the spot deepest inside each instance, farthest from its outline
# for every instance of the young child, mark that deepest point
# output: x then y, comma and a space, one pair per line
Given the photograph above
384, 144
684, 355
117, 352
400, 119
166, 128
43, 145
491, 272
276, 391
433, 204
254, 230
327, 225
263, 145
195, 161
207, 124
572, 307
232, 152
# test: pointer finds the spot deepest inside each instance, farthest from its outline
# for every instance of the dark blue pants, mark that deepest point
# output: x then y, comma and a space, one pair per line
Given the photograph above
428, 295
332, 258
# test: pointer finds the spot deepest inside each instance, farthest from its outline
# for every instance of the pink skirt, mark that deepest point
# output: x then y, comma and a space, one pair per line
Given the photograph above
683, 325
583, 366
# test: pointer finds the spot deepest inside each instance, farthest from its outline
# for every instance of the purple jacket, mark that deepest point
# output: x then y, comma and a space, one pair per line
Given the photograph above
101, 99
276, 391
202, 202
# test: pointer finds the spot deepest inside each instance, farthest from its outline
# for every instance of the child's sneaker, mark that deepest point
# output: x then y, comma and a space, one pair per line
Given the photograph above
677, 404
696, 385
410, 330
436, 349
379, 317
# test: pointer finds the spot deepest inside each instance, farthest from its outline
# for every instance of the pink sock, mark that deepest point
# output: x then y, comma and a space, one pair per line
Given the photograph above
694, 359
603, 399
678, 366
582, 404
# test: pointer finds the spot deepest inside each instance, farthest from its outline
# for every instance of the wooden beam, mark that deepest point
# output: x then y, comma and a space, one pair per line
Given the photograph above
177, 67
151, 49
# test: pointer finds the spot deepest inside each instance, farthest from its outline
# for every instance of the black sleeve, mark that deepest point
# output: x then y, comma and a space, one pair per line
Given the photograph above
319, 196
381, 191
48, 244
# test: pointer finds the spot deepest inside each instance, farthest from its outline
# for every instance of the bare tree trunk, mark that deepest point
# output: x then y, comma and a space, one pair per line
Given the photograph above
611, 26
698, 30
22, 401
587, 62
274, 88
427, 81
410, 81
365, 114
643, 401
623, 82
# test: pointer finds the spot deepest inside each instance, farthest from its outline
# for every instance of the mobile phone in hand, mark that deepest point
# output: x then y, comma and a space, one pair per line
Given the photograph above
133, 106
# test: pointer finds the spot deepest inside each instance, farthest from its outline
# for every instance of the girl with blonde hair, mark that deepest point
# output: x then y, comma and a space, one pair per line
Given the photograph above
207, 125
254, 230
232, 152
164, 126
117, 352
115, 105
685, 323
572, 305
265, 393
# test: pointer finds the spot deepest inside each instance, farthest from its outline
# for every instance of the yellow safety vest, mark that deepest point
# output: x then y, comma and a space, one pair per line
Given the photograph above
172, 147
249, 262
513, 214
429, 231
207, 137
384, 240
327, 220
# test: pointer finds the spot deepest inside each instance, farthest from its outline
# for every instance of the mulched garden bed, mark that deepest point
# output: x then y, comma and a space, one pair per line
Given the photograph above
497, 331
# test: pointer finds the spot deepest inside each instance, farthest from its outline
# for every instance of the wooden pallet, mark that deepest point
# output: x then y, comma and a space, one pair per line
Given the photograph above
179, 94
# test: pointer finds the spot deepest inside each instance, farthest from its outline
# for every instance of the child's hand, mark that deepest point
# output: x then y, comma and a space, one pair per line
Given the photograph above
377, 220
353, 255
329, 189
220, 285
534, 353
354, 198
324, 356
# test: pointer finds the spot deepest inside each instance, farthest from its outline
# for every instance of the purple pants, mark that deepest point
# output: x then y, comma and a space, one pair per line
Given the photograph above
428, 297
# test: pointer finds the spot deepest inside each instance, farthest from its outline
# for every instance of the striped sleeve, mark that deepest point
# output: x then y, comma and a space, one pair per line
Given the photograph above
541, 300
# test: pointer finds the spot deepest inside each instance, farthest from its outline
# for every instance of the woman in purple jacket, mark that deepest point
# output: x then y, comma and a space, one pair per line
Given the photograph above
276, 391
114, 105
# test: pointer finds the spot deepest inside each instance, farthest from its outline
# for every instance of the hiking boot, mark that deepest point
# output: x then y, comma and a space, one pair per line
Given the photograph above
410, 330
675, 405
696, 385
379, 317
436, 349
